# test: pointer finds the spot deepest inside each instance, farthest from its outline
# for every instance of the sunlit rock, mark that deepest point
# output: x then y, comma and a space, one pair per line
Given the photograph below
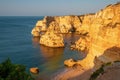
81, 44
34, 70
51, 39
104, 32
39, 27
86, 22
64, 24
69, 62
35, 33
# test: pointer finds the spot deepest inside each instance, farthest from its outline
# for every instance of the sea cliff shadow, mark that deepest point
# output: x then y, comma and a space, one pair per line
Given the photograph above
110, 55
35, 41
48, 52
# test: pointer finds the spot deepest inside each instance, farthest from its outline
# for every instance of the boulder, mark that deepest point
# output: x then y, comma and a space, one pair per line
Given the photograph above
69, 63
34, 70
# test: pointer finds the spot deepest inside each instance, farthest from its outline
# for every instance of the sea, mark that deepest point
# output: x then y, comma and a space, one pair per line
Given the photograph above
17, 43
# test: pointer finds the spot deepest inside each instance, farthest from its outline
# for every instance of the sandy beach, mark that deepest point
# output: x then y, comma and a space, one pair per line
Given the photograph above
75, 73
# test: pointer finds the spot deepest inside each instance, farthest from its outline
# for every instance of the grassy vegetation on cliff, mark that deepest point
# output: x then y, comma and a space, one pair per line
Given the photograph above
99, 71
9, 71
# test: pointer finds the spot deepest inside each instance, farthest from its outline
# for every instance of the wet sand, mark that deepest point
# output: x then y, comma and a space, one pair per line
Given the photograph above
75, 73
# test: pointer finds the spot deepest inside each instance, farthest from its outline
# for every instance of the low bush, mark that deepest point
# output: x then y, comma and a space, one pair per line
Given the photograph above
10, 71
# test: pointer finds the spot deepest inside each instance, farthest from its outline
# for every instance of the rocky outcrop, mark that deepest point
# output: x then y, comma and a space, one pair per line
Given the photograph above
39, 27
58, 24
34, 70
64, 24
81, 44
52, 39
104, 32
54, 26
86, 22
69, 62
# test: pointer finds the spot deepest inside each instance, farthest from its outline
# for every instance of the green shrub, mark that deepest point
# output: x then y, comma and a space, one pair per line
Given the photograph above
97, 73
116, 61
9, 71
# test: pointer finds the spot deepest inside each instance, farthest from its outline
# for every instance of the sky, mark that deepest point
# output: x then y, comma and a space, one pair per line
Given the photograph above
51, 7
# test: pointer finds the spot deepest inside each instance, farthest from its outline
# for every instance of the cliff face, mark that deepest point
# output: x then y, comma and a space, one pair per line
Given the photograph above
86, 22
64, 24
104, 34
53, 26
105, 29
58, 24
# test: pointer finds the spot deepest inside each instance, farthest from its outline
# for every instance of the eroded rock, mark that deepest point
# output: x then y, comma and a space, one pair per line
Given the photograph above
51, 39
69, 62
39, 27
81, 44
34, 70
103, 31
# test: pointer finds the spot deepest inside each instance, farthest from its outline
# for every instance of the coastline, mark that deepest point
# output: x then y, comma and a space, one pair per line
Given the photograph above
74, 73
100, 40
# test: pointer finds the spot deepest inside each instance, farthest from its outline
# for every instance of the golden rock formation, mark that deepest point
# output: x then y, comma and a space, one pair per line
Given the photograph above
58, 24
51, 39
64, 24
40, 26
101, 31
69, 62
34, 70
104, 33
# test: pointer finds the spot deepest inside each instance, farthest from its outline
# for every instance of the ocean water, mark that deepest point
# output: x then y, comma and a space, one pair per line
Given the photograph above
17, 43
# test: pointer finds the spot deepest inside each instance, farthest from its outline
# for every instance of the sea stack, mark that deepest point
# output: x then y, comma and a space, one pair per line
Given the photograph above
52, 39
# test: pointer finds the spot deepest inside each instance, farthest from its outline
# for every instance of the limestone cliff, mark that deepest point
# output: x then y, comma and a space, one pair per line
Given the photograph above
86, 22
104, 36
105, 33
64, 24
58, 24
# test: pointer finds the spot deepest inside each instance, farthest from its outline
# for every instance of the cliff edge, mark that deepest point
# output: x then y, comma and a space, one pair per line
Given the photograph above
104, 32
